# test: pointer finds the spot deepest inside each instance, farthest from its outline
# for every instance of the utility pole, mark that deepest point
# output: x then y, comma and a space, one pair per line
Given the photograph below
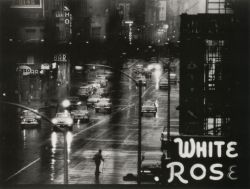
139, 134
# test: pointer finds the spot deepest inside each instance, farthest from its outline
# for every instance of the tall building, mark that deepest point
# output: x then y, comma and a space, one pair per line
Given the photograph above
35, 35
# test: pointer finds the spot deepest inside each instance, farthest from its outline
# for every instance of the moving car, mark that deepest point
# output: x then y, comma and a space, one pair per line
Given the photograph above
74, 102
149, 107
173, 78
163, 83
93, 99
102, 91
81, 113
104, 104
29, 118
95, 84
64, 120
85, 91
142, 78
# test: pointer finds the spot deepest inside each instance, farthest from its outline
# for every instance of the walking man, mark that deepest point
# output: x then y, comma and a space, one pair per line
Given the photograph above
98, 158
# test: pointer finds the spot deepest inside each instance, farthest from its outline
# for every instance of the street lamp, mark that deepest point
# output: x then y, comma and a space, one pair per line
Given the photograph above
139, 84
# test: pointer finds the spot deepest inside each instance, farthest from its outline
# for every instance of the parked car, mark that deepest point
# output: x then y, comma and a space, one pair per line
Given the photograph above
104, 104
63, 120
81, 113
29, 118
151, 166
149, 107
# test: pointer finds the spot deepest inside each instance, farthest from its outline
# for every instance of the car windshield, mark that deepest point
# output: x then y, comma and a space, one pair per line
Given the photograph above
28, 113
148, 103
62, 115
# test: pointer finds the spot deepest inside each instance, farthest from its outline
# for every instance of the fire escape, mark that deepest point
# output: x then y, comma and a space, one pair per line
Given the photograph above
216, 107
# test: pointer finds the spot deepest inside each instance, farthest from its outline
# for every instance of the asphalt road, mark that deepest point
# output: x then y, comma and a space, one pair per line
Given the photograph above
35, 156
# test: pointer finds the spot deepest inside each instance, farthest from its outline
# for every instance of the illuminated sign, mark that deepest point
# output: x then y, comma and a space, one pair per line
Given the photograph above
60, 58
26, 70
26, 4
203, 160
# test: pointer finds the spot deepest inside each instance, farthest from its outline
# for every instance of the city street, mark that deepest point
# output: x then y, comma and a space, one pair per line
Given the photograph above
36, 155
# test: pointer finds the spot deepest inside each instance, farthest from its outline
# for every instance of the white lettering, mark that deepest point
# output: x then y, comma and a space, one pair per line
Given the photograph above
66, 14
219, 173
219, 145
203, 169
177, 174
231, 173
67, 21
184, 150
210, 147
231, 149
201, 148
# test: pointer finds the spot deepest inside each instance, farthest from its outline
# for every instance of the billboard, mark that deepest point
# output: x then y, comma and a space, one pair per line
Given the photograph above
26, 4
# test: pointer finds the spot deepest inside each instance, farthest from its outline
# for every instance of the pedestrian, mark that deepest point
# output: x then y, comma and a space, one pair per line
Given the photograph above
98, 158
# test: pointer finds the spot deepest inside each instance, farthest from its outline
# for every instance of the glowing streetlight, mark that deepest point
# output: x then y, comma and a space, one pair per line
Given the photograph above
66, 103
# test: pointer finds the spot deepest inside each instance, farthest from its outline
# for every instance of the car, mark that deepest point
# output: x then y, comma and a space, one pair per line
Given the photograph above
147, 73
151, 166
142, 78
81, 113
95, 84
85, 91
173, 78
29, 118
104, 104
102, 80
74, 102
93, 99
149, 107
163, 83
102, 91
63, 120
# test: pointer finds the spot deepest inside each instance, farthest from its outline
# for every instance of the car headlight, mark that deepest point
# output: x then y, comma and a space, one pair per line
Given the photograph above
79, 103
69, 121
54, 121
156, 179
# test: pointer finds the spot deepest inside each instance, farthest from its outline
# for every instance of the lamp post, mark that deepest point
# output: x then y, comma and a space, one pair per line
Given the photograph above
139, 84
139, 134
169, 88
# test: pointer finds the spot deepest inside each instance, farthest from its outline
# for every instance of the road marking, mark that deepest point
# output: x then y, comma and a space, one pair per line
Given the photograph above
33, 162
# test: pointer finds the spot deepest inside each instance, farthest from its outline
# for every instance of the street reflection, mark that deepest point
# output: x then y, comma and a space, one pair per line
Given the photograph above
53, 151
57, 145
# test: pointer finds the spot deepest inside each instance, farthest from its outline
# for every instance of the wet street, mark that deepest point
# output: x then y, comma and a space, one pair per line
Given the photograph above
36, 155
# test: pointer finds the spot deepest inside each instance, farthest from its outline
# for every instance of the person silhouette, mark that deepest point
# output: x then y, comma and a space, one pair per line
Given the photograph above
98, 158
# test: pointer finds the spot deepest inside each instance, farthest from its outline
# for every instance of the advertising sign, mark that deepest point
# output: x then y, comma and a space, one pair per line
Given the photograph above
26, 4
203, 160
27, 70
